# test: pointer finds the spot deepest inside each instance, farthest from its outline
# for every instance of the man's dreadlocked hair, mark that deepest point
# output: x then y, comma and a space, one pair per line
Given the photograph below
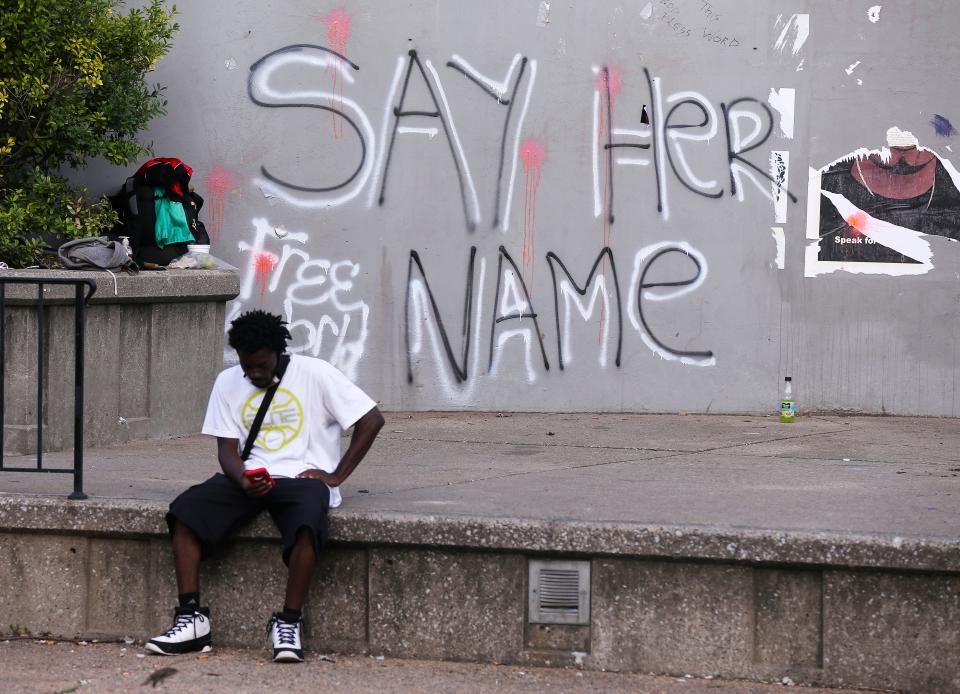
254, 330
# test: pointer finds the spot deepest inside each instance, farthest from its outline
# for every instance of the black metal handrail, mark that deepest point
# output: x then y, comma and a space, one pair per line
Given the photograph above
80, 319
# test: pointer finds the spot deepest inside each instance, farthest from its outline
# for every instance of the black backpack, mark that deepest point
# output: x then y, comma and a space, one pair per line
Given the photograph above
135, 205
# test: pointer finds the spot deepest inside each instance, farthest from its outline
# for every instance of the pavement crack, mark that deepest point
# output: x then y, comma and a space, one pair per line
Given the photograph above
747, 444
524, 473
539, 444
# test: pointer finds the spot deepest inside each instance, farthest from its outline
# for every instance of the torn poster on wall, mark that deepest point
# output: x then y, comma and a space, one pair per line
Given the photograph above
870, 211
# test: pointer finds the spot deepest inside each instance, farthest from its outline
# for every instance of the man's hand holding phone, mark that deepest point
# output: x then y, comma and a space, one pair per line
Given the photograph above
257, 482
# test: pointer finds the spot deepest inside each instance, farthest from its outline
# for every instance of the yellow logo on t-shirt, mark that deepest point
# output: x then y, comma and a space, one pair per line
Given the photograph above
281, 425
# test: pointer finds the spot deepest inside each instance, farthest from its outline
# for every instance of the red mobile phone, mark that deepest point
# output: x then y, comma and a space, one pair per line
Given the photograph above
258, 475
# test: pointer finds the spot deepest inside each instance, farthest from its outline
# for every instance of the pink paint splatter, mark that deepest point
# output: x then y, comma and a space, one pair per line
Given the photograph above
532, 154
338, 29
614, 77
263, 264
338, 32
218, 183
858, 222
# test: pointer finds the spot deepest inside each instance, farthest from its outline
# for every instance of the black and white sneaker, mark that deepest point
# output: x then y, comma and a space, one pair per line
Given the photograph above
285, 631
190, 632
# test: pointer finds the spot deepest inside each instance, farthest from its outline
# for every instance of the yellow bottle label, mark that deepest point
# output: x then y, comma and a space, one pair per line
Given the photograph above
788, 411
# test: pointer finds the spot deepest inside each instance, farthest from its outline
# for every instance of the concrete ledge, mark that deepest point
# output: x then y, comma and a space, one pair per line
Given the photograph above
669, 542
734, 605
801, 548
152, 287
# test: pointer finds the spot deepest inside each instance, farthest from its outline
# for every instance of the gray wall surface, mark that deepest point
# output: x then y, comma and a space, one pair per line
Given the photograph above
423, 189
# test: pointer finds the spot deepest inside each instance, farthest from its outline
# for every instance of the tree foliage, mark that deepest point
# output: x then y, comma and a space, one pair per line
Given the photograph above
72, 87
50, 206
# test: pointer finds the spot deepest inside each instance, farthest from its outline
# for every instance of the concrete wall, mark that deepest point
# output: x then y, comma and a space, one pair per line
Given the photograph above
152, 351
818, 626
437, 258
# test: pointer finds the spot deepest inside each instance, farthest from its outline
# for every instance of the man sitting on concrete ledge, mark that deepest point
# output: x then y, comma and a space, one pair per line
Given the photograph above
299, 446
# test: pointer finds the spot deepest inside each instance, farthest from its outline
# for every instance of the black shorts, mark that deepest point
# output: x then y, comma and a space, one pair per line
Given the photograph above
216, 508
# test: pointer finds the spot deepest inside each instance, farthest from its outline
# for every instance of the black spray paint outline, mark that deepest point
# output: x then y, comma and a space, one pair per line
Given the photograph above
656, 144
506, 123
610, 144
461, 372
673, 166
397, 114
551, 257
731, 155
515, 316
683, 283
654, 131
363, 144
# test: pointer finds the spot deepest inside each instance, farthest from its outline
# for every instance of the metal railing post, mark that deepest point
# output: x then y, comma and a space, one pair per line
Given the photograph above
40, 333
3, 363
79, 324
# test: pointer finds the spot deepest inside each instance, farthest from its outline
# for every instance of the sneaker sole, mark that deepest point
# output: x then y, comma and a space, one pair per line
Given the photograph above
174, 650
287, 657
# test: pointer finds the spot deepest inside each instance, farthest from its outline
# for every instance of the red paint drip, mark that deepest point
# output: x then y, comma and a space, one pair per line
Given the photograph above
532, 154
218, 183
263, 265
609, 80
338, 32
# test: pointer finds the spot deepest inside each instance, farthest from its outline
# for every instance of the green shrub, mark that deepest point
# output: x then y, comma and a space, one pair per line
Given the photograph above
72, 87
47, 207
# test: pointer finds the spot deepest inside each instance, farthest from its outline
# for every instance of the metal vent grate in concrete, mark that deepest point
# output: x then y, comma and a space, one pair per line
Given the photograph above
559, 592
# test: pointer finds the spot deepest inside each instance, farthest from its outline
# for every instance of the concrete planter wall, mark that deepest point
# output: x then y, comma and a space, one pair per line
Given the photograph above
154, 345
455, 588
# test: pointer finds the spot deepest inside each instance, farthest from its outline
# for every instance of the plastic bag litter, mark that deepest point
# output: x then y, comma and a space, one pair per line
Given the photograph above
193, 260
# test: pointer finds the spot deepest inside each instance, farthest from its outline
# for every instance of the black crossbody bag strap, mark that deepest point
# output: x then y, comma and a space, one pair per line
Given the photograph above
264, 406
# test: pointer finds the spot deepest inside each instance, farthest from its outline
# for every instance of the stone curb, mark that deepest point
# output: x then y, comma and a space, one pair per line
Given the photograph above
746, 545
145, 287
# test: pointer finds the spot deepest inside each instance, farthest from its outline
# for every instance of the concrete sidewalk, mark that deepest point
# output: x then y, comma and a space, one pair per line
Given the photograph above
119, 668
880, 480
826, 551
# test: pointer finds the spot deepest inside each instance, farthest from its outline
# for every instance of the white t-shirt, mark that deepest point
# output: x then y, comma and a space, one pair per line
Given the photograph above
309, 411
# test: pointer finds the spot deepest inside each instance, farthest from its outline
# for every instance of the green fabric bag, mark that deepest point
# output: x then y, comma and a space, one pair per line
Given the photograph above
171, 225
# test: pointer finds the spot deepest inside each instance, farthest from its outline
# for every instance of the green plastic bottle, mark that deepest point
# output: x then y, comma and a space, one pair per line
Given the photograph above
788, 409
